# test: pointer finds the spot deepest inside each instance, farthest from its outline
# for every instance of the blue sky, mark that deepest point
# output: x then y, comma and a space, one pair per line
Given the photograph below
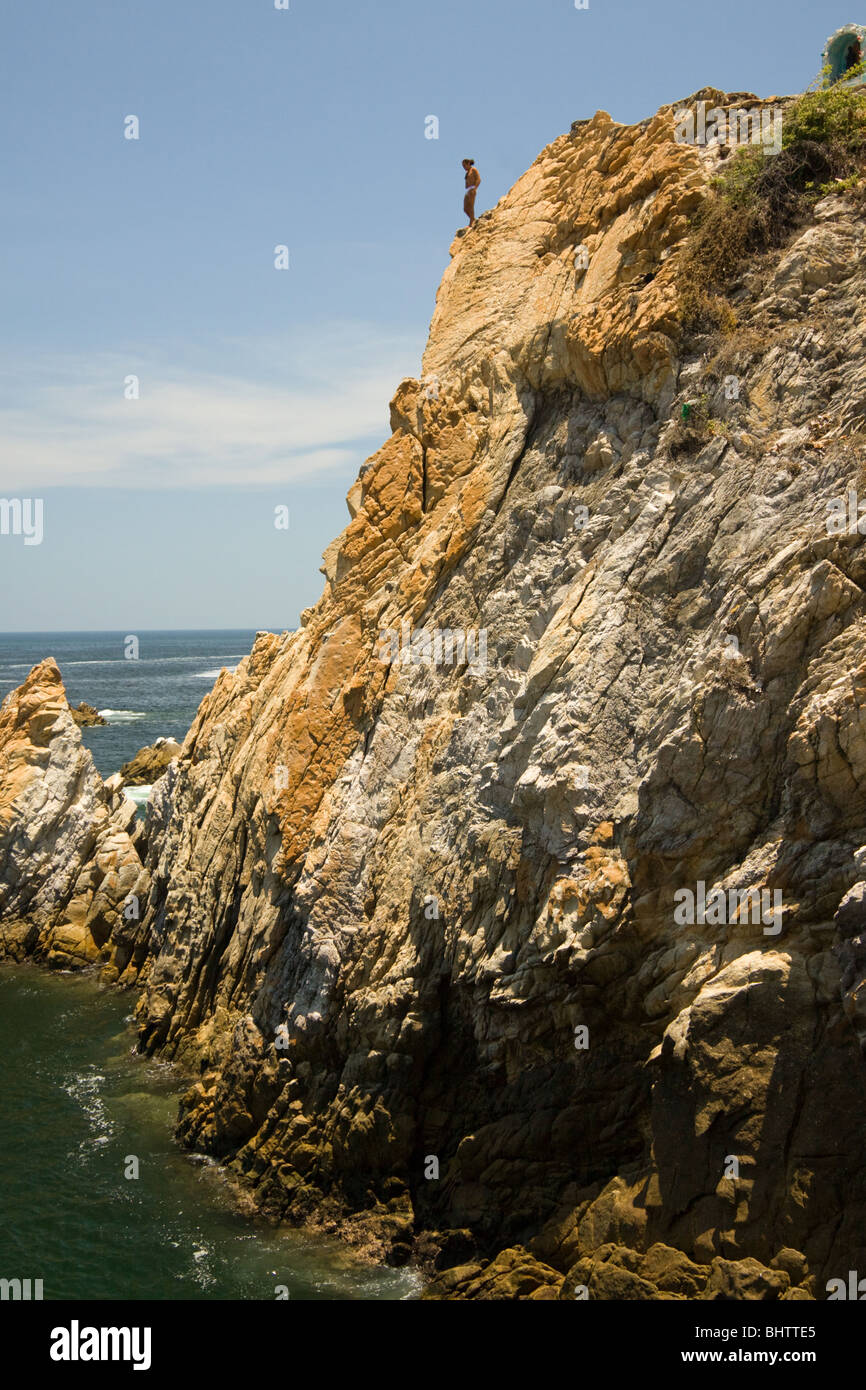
154, 257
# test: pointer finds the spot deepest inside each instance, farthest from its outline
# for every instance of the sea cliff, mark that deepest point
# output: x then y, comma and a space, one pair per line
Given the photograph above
469, 957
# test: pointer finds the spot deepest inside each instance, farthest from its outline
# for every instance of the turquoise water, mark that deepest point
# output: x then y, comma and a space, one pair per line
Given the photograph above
76, 1102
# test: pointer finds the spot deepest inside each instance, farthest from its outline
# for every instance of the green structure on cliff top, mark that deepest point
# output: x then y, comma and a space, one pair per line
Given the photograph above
844, 50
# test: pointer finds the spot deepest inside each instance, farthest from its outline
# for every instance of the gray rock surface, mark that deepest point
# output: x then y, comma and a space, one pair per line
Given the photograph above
472, 957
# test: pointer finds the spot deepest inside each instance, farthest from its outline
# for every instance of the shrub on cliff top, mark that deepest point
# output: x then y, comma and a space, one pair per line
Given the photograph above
758, 196
830, 113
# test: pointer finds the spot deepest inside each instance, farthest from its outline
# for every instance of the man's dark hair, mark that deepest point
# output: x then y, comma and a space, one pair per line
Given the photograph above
469, 161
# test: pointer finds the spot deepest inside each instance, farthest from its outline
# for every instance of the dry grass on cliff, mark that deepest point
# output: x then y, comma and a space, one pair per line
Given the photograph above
737, 350
759, 197
753, 207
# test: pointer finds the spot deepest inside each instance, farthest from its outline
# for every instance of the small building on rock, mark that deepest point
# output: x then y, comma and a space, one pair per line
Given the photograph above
844, 50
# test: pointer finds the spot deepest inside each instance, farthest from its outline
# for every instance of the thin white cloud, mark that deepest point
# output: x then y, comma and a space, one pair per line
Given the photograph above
280, 412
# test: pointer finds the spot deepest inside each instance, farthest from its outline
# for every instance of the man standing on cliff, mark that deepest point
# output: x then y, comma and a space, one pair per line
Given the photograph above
473, 179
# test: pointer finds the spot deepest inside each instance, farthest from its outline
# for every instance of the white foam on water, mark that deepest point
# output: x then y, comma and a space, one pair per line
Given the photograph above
138, 794
86, 1090
212, 675
121, 716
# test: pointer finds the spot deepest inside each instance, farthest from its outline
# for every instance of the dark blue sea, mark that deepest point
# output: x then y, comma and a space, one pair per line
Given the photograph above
152, 696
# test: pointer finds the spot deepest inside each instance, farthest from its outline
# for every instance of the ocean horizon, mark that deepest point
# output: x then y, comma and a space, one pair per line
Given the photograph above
151, 694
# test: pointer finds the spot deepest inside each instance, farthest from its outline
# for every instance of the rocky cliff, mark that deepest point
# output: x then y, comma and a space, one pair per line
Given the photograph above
453, 900
150, 763
71, 877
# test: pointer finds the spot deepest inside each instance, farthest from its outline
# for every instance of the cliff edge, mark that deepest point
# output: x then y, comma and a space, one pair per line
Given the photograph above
510, 910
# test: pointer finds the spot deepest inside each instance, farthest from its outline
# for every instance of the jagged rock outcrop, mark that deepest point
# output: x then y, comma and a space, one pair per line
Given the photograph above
86, 715
71, 879
461, 950
149, 763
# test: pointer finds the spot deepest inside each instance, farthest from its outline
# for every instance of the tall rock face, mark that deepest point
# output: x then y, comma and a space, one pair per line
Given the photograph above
513, 908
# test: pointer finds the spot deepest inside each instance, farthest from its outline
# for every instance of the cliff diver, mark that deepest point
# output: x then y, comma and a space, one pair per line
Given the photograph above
473, 179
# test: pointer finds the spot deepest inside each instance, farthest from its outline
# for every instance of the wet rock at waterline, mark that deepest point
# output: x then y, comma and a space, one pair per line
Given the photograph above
85, 715
149, 764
